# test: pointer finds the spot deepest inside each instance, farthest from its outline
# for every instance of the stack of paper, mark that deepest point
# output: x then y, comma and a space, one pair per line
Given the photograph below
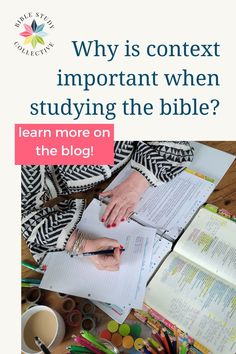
78, 275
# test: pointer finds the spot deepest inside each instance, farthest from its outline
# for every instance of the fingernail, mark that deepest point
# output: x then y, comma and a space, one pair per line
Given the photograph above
108, 225
123, 219
121, 246
103, 219
113, 225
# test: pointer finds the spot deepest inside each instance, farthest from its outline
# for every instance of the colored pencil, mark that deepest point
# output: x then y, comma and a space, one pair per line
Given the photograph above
164, 330
32, 267
28, 285
32, 281
85, 343
165, 342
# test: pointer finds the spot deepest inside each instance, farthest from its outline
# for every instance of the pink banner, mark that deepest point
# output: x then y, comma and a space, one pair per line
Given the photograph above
64, 144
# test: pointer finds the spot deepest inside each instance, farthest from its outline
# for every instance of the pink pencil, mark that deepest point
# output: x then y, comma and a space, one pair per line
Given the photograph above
85, 343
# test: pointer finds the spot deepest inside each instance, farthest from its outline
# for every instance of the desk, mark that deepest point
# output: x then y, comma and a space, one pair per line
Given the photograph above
224, 196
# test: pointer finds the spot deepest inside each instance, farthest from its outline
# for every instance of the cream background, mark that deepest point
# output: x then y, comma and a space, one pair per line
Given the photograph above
25, 79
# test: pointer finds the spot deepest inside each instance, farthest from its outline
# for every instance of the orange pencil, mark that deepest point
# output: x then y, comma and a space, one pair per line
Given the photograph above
165, 343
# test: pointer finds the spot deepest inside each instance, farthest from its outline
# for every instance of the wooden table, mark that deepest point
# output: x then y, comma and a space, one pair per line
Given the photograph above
224, 196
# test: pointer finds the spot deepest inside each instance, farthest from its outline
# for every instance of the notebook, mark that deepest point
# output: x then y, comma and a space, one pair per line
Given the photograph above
195, 287
78, 275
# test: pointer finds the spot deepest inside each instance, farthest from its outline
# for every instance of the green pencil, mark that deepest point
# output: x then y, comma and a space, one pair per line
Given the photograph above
78, 349
28, 285
32, 267
92, 339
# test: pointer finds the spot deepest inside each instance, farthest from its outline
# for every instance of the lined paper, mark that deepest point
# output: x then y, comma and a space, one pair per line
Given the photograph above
78, 275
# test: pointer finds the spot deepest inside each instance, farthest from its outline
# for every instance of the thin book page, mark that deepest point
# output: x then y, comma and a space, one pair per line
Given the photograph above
161, 248
195, 300
210, 241
171, 206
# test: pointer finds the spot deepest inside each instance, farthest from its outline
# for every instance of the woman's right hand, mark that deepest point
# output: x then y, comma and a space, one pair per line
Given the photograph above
104, 262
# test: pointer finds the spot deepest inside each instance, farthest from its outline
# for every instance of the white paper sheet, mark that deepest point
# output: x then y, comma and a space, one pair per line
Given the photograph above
78, 276
119, 314
211, 162
170, 206
161, 249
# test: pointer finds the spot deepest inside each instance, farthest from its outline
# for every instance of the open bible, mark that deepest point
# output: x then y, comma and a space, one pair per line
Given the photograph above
195, 287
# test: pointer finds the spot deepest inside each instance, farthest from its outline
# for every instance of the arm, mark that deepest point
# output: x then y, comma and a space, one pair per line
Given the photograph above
153, 163
45, 229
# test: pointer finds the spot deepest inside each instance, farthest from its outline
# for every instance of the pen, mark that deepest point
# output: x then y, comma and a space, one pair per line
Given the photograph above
41, 345
32, 267
105, 252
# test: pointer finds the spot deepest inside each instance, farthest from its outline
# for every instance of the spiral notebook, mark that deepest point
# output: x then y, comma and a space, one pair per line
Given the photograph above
78, 275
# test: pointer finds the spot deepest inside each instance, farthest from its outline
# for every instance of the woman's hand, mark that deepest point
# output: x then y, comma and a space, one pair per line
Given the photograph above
123, 199
103, 262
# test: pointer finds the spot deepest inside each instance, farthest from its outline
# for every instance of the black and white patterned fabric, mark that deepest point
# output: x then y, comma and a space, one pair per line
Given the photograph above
47, 229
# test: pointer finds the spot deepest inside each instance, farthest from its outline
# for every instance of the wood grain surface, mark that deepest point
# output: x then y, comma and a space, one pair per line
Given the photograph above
224, 196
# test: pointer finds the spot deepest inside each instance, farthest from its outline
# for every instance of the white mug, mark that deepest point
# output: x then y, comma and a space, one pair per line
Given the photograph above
57, 334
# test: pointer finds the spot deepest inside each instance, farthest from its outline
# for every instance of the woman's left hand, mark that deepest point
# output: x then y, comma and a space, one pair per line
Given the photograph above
123, 199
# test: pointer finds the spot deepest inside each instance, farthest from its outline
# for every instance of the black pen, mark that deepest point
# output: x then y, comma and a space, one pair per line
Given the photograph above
41, 345
105, 252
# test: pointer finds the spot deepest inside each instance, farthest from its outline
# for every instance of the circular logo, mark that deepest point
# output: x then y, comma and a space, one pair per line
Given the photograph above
34, 30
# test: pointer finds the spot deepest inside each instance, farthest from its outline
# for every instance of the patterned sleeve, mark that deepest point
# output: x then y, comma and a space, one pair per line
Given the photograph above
161, 161
45, 229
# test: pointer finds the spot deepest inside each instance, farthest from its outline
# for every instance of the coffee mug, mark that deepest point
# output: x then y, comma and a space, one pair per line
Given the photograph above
43, 322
